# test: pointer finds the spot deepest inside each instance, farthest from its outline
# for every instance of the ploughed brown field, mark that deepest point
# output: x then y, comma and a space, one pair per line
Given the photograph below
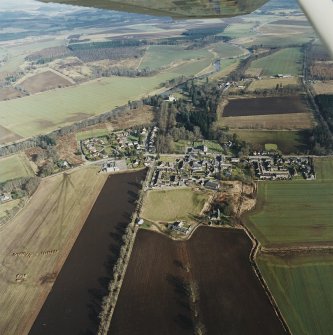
265, 106
74, 302
229, 299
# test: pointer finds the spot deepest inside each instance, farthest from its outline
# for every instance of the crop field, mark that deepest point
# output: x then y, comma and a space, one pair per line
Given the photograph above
15, 166
284, 30
295, 213
287, 141
89, 267
53, 109
239, 29
36, 243
281, 41
228, 296
293, 121
158, 56
302, 287
171, 205
265, 106
285, 61
271, 83
44, 81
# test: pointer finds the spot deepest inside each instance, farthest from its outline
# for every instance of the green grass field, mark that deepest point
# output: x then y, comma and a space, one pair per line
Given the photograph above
212, 146
15, 166
44, 112
239, 29
302, 287
285, 61
295, 213
158, 56
281, 41
287, 141
83, 135
226, 50
171, 205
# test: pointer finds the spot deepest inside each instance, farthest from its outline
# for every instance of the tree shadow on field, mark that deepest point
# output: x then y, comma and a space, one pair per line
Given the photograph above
184, 322
178, 283
137, 185
178, 264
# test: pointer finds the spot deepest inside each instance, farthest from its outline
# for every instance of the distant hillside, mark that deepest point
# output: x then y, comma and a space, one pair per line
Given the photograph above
280, 4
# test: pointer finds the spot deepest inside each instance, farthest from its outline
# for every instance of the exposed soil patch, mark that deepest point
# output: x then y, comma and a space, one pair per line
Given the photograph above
265, 106
74, 303
229, 297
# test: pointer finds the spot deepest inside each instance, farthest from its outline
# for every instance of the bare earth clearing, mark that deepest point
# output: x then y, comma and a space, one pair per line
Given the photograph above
35, 244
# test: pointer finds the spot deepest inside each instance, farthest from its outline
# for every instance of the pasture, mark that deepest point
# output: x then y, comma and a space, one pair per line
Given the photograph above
216, 263
287, 141
160, 56
15, 166
295, 212
92, 132
227, 50
44, 112
302, 287
271, 83
239, 29
35, 244
280, 41
285, 61
172, 205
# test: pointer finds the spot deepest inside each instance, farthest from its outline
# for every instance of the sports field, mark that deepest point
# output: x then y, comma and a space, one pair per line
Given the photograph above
171, 205
302, 287
285, 61
295, 213
15, 166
